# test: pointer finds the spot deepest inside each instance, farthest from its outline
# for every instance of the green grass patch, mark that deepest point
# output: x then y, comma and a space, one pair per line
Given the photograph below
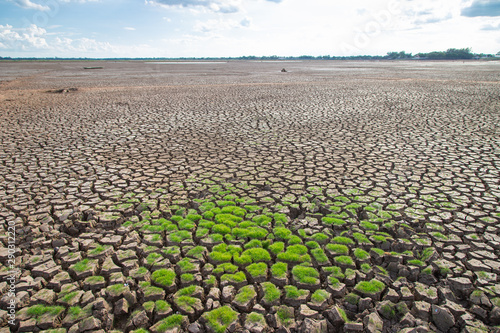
306, 275
219, 319
279, 270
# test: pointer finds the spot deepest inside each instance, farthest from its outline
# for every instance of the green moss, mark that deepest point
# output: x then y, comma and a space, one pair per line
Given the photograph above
285, 315
187, 291
294, 293
360, 238
277, 247
320, 237
237, 277
219, 319
365, 268
271, 292
312, 244
352, 298
294, 240
257, 255
416, 262
306, 275
337, 248
343, 240
82, 265
320, 256
161, 305
170, 322
257, 269
370, 287
225, 268
254, 243
282, 233
221, 229
39, 310
344, 260
228, 219
164, 277
333, 221
279, 270
186, 224
255, 317
245, 294
361, 254
320, 295
368, 225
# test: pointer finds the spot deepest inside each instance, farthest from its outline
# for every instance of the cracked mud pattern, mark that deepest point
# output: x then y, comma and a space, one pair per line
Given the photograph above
336, 197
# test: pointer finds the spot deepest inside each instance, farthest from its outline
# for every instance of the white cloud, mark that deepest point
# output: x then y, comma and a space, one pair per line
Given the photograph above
28, 38
28, 4
220, 25
129, 28
221, 6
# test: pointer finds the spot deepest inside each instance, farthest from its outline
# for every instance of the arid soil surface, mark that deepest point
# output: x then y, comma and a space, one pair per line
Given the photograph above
231, 196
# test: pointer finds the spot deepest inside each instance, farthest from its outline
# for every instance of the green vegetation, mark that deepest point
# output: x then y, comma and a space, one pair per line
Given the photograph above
277, 247
285, 315
344, 260
255, 317
39, 310
320, 296
245, 294
294, 293
164, 277
271, 292
219, 319
352, 298
343, 240
82, 266
361, 254
236, 277
279, 270
175, 320
257, 269
337, 248
371, 287
225, 268
333, 221
306, 275
295, 253
320, 256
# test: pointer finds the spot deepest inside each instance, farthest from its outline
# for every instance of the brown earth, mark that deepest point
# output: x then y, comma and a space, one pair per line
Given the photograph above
100, 167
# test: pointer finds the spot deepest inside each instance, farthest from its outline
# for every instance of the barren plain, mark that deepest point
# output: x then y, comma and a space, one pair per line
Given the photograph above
231, 197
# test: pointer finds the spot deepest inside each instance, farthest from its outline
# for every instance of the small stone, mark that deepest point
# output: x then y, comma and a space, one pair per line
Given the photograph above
353, 327
228, 293
461, 286
442, 317
311, 325
89, 324
121, 307
373, 323
407, 321
307, 312
421, 310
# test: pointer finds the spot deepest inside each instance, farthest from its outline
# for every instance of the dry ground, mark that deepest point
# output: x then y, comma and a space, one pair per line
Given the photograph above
231, 196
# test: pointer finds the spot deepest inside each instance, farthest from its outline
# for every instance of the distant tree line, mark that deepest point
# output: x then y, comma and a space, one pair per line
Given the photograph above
450, 54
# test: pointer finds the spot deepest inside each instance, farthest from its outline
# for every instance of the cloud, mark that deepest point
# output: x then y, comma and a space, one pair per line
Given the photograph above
27, 4
28, 38
491, 27
129, 28
221, 6
220, 25
482, 8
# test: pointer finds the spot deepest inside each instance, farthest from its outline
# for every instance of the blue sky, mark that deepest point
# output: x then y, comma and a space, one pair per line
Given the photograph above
213, 28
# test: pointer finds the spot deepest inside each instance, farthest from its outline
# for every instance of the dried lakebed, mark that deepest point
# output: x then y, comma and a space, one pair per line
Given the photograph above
335, 197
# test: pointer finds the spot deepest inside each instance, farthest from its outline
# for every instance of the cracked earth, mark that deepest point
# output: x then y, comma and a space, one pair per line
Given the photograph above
233, 197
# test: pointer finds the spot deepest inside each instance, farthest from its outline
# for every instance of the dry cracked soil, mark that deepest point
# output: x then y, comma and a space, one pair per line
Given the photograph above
233, 197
